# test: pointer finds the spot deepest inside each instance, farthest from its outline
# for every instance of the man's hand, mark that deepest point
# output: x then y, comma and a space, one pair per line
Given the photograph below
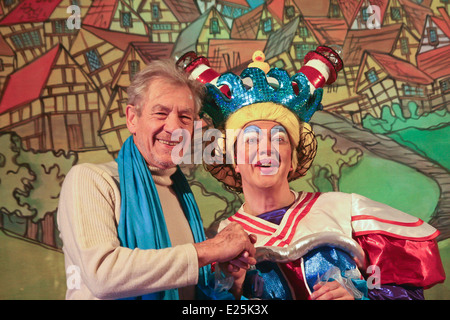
232, 245
330, 291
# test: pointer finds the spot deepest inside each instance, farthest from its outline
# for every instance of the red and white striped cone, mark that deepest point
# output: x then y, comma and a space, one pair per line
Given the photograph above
321, 67
199, 69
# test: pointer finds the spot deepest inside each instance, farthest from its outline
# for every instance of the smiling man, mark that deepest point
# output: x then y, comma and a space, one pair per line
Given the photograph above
131, 227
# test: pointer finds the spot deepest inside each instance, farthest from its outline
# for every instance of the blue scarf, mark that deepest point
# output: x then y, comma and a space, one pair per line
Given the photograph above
142, 224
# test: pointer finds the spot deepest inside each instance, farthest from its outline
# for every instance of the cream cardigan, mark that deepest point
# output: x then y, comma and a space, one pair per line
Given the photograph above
97, 267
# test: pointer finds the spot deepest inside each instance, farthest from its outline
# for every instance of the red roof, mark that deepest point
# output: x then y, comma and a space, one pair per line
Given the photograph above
358, 41
100, 13
120, 40
400, 69
276, 8
316, 8
418, 14
184, 11
5, 49
444, 15
328, 31
351, 8
26, 84
30, 11
435, 63
246, 26
153, 51
442, 24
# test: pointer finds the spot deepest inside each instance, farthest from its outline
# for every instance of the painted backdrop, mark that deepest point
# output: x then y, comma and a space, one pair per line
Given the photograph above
65, 66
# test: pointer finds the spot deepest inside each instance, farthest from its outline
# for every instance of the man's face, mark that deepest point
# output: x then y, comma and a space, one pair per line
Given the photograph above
166, 108
263, 154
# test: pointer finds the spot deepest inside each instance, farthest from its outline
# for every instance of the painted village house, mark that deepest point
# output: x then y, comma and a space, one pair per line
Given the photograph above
385, 80
416, 14
210, 25
99, 53
257, 24
329, 32
57, 110
117, 16
358, 41
395, 40
434, 57
113, 129
166, 18
373, 14
232, 9
7, 62
32, 28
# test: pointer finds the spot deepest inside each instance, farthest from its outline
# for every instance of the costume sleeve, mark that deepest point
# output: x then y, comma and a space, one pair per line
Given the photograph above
87, 218
402, 247
390, 292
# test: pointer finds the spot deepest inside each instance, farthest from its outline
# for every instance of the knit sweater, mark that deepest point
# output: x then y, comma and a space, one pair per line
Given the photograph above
97, 267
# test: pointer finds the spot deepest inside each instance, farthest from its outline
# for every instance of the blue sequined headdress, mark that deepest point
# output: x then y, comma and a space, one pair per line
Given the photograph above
229, 94
250, 89
291, 92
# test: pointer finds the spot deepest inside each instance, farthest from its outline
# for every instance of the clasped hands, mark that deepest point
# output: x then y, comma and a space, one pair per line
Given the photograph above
236, 254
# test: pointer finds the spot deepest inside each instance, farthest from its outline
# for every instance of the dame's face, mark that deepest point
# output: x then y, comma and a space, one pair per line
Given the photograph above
263, 154
167, 107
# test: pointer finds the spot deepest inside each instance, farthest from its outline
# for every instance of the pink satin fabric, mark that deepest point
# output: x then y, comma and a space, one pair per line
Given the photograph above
403, 262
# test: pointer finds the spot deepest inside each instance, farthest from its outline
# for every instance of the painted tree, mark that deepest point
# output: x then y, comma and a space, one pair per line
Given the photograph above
15, 178
50, 169
329, 162
30, 186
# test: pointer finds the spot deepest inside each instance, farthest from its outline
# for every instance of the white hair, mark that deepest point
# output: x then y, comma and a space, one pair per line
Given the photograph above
166, 70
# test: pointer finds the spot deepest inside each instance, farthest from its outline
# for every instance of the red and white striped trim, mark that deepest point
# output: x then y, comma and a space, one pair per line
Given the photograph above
252, 225
417, 230
283, 236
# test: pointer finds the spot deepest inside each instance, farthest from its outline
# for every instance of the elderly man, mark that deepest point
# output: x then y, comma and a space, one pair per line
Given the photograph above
309, 245
131, 227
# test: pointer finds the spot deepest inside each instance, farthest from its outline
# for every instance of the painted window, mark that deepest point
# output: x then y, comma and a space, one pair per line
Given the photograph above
161, 26
134, 68
267, 25
365, 14
302, 49
304, 32
155, 12
404, 45
93, 60
396, 13
445, 85
27, 40
289, 11
214, 26
372, 76
412, 91
433, 36
126, 20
